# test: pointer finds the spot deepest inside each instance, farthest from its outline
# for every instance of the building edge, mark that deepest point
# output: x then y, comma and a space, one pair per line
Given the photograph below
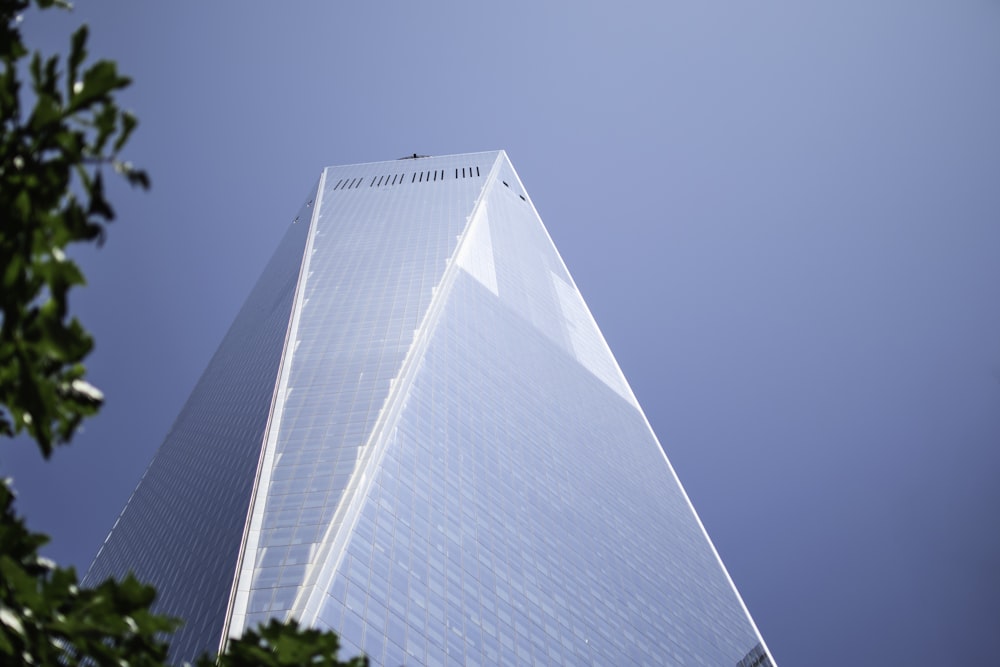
280, 383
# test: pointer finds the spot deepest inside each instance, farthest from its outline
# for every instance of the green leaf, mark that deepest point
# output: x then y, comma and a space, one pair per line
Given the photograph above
129, 123
46, 113
132, 175
77, 54
99, 206
105, 122
98, 82
280, 644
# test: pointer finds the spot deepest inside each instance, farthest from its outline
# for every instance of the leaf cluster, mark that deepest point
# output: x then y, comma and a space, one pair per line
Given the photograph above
47, 619
52, 160
280, 644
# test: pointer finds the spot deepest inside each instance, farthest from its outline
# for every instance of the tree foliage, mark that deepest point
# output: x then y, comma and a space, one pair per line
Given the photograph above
283, 645
52, 162
53, 157
47, 619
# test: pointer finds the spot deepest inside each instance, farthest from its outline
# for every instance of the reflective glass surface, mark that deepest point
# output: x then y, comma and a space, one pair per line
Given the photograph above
382, 237
454, 469
523, 514
520, 508
182, 527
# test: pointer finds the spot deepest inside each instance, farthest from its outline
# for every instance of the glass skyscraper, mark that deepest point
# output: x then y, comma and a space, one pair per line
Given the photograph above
414, 434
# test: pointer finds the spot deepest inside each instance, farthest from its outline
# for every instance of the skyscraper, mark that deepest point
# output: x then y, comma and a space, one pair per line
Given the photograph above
414, 434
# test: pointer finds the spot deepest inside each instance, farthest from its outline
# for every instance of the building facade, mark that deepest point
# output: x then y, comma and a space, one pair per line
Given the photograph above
415, 434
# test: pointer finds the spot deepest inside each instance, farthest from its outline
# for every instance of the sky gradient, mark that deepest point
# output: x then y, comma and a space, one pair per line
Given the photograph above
785, 219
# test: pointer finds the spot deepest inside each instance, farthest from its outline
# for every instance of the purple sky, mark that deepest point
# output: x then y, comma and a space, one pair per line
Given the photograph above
784, 217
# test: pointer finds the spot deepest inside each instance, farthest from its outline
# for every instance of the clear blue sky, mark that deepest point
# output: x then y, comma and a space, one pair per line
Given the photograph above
784, 216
